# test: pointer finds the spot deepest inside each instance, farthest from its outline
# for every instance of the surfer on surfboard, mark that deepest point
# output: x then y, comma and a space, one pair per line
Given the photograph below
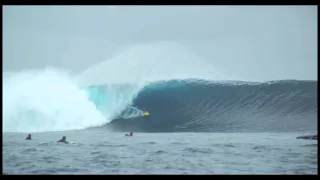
145, 112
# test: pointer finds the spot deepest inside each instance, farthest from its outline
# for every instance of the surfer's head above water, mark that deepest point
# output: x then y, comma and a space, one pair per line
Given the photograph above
28, 137
64, 139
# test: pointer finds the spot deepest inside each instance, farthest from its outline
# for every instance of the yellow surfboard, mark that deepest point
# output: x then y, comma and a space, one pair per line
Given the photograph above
146, 113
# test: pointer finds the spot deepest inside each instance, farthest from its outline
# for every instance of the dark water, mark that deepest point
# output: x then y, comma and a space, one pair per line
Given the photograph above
203, 106
98, 152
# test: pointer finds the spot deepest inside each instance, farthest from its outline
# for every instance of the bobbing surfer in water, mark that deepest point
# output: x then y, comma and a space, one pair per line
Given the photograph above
64, 140
28, 137
131, 134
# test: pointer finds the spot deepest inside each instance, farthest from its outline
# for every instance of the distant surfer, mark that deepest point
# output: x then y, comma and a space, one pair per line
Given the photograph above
28, 137
64, 140
131, 134
309, 137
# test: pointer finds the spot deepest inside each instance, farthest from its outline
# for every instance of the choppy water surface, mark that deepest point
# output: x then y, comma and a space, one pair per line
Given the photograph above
98, 152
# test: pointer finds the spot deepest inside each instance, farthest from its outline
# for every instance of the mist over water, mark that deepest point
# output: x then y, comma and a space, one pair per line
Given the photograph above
145, 63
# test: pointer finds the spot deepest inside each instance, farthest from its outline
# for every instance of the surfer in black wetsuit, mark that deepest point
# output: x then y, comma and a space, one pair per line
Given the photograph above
64, 140
28, 137
131, 134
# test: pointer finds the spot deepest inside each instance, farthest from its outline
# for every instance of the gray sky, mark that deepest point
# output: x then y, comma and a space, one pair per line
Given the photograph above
264, 42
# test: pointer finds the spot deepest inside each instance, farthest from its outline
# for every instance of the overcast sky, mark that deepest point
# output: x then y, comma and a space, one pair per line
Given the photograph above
265, 42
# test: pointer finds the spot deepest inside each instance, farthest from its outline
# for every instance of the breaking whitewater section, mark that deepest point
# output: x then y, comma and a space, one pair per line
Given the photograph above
181, 90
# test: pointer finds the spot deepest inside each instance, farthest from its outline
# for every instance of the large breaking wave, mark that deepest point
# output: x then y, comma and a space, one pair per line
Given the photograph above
203, 106
181, 90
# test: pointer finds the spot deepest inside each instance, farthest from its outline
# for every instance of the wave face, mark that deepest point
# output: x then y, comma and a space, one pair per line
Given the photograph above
204, 106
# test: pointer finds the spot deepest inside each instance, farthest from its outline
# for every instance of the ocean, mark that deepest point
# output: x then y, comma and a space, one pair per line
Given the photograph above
195, 126
100, 152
